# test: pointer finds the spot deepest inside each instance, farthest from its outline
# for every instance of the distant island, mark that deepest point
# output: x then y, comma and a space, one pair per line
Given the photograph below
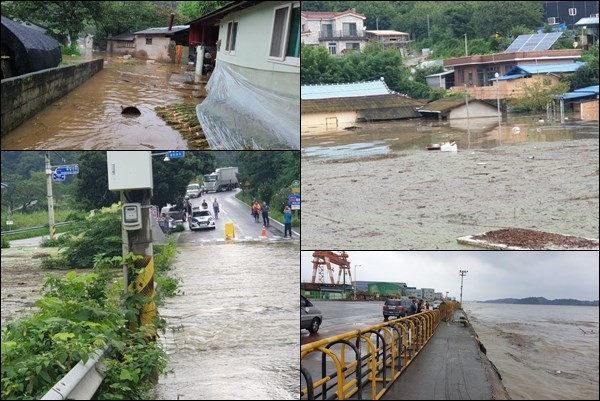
542, 301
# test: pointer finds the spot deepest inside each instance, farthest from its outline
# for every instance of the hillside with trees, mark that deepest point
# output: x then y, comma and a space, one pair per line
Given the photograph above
488, 27
542, 301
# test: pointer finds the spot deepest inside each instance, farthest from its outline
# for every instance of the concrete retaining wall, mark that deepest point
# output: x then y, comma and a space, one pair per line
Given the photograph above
26, 95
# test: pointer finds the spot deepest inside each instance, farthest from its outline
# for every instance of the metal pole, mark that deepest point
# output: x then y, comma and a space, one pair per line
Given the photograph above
355, 280
50, 197
462, 274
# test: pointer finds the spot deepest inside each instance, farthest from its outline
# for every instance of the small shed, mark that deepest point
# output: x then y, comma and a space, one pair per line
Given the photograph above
443, 80
159, 43
456, 108
583, 101
26, 50
121, 44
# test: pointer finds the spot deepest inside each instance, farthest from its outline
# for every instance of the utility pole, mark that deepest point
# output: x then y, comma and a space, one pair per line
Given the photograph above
49, 195
462, 273
355, 279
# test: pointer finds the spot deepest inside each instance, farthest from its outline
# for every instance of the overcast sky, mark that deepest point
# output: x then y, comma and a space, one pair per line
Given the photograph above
491, 275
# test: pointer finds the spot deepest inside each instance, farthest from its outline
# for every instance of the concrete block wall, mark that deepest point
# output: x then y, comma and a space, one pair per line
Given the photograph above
25, 95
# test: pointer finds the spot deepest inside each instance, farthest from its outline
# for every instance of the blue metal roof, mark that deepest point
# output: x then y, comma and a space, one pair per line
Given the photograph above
525, 70
581, 93
358, 89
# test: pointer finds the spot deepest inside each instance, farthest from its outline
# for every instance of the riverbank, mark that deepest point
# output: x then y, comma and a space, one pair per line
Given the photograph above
416, 199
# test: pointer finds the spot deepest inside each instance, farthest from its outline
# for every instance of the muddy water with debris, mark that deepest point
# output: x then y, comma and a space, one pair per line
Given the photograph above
543, 352
379, 188
233, 334
89, 117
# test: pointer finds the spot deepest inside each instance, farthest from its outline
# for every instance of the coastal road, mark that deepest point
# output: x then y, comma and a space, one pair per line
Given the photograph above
342, 317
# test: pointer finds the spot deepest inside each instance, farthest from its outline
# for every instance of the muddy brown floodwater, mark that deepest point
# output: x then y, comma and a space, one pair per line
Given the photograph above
89, 117
368, 194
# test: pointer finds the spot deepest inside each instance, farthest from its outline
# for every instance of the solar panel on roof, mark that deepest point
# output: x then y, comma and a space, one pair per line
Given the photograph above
540, 41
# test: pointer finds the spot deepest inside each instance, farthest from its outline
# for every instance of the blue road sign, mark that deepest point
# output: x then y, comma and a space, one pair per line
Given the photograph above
58, 177
72, 169
174, 154
294, 200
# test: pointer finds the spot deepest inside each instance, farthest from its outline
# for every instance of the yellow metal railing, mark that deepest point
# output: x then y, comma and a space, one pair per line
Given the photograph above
363, 364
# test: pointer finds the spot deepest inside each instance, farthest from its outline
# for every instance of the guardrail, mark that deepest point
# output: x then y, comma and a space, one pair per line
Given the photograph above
347, 369
81, 382
30, 229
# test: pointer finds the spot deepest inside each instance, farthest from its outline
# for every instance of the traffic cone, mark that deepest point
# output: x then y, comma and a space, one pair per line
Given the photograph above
263, 234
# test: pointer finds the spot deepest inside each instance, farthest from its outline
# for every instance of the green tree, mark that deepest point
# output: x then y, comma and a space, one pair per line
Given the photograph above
586, 75
91, 185
537, 95
62, 18
171, 178
196, 9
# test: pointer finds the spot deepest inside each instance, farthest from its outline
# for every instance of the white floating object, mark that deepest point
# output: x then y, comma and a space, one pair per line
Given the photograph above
516, 130
449, 147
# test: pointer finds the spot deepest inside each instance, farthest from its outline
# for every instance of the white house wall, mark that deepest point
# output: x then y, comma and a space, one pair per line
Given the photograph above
476, 109
253, 40
318, 122
158, 50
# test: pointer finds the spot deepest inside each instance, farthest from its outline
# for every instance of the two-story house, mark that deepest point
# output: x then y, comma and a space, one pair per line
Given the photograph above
338, 32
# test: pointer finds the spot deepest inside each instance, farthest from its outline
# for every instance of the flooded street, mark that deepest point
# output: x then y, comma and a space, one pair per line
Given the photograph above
90, 117
233, 334
379, 188
387, 137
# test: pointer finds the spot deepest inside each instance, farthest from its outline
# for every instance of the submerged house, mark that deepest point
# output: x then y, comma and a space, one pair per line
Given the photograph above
339, 106
254, 91
26, 50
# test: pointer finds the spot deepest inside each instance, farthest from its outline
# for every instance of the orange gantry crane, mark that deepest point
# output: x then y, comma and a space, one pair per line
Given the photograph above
322, 259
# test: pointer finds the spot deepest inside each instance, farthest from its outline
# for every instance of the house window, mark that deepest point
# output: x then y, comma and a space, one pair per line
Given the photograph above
349, 29
285, 39
327, 30
148, 41
470, 78
353, 46
332, 48
231, 36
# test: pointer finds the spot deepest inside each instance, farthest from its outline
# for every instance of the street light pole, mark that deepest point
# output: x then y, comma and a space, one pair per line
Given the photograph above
355, 280
462, 274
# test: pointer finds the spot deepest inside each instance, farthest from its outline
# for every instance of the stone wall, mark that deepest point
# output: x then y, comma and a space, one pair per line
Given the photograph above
25, 95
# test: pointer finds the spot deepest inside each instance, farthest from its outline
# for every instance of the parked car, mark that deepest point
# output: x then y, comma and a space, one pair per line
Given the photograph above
396, 307
201, 218
310, 316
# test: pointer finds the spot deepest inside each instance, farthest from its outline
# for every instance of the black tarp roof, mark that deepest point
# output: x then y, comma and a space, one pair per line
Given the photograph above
30, 50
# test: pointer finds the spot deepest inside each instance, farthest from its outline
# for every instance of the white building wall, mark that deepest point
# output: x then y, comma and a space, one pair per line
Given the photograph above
158, 50
252, 46
476, 109
428, 294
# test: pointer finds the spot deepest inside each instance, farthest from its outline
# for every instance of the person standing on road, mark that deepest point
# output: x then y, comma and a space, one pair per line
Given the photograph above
413, 307
287, 215
188, 208
256, 211
204, 204
216, 208
420, 306
265, 213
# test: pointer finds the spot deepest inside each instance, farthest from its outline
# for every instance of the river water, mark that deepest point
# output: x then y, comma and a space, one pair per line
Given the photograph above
89, 117
233, 334
541, 351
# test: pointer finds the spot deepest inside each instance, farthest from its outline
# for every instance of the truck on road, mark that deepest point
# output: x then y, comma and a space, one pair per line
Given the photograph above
222, 179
